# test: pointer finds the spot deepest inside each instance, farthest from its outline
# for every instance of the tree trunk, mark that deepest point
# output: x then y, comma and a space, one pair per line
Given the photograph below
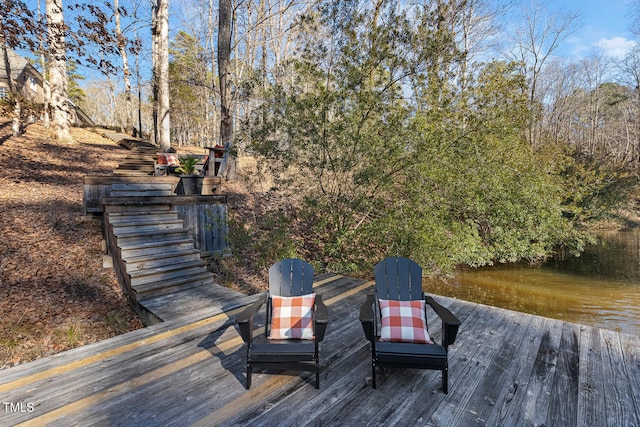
211, 86
128, 108
164, 129
154, 79
139, 93
15, 127
224, 75
45, 81
15, 123
58, 70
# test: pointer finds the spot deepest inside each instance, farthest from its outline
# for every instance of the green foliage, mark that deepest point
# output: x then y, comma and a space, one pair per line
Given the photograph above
76, 93
187, 165
275, 240
393, 158
594, 190
259, 243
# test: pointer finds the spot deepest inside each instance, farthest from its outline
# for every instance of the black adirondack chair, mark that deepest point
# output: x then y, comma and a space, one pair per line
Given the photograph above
401, 279
287, 278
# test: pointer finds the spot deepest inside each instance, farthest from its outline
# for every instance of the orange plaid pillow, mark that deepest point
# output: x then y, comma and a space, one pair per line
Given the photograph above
292, 317
403, 321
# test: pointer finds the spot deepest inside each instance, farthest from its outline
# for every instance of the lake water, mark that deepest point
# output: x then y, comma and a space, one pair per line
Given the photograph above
600, 288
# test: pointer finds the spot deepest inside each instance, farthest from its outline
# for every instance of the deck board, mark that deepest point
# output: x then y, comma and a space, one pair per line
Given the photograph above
506, 368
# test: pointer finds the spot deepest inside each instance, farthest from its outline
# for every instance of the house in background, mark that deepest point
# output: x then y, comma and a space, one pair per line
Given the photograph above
28, 82
25, 78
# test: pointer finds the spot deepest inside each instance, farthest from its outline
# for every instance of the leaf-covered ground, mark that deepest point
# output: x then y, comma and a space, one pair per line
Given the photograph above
54, 292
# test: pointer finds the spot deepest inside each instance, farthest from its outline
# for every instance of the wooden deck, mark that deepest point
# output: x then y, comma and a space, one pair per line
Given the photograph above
506, 368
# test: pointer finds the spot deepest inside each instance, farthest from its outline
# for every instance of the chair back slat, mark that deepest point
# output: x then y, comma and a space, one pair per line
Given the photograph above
291, 277
398, 279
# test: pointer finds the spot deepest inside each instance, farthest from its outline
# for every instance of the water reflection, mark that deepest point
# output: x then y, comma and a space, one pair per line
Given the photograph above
600, 288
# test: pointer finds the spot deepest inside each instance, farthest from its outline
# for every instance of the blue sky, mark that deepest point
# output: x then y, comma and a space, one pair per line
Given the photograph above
605, 25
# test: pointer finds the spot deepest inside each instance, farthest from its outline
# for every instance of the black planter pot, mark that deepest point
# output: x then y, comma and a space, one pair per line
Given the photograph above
190, 184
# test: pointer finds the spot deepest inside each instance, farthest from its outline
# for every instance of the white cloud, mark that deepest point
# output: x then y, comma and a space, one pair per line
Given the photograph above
616, 47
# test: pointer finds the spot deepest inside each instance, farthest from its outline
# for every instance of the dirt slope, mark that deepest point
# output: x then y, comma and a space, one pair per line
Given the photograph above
54, 293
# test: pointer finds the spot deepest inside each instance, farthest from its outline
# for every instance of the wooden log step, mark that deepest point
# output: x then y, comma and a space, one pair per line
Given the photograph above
166, 272
155, 248
169, 286
159, 259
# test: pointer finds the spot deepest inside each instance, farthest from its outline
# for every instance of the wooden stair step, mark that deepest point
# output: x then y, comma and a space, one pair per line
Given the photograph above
126, 172
147, 237
142, 155
131, 186
161, 248
169, 286
151, 193
136, 168
138, 220
141, 221
135, 219
142, 210
167, 270
146, 148
128, 229
135, 263
170, 240
138, 159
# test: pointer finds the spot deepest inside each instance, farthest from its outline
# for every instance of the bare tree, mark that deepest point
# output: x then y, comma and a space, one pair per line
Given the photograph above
121, 40
535, 40
630, 70
45, 82
224, 74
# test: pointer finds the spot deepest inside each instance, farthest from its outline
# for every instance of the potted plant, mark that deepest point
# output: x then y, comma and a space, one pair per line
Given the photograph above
190, 180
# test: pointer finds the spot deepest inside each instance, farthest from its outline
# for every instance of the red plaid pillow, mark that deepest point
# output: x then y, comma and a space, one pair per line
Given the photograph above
292, 317
403, 321
172, 159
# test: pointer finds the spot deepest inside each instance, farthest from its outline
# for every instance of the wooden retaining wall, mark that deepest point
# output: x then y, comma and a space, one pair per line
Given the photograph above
96, 188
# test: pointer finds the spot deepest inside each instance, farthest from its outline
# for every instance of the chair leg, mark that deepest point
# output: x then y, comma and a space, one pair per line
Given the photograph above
248, 385
373, 375
445, 381
317, 359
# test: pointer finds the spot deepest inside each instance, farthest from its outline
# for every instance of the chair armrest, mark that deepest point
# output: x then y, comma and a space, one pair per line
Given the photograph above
450, 323
367, 317
320, 318
244, 319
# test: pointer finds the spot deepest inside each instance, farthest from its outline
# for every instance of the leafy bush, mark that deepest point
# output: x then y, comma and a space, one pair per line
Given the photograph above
187, 165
